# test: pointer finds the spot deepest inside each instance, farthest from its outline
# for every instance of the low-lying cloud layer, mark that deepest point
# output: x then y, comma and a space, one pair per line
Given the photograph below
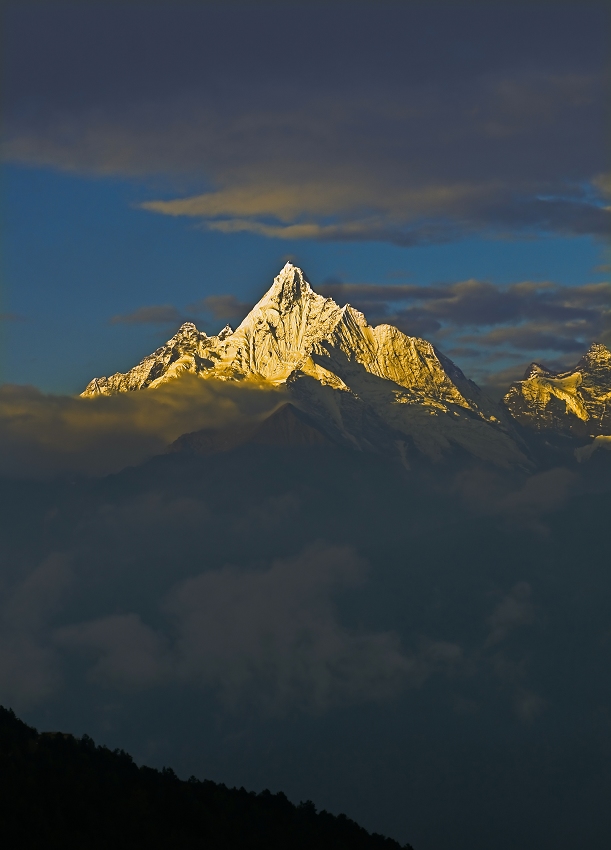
49, 434
268, 637
239, 614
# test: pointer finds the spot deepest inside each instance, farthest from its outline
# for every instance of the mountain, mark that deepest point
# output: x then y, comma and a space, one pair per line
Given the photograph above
189, 350
368, 388
286, 426
61, 791
575, 403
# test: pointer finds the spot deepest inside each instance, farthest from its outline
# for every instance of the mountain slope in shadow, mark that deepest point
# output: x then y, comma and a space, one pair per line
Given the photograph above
60, 791
286, 426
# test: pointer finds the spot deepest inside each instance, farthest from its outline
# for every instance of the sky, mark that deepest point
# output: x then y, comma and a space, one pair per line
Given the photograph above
443, 167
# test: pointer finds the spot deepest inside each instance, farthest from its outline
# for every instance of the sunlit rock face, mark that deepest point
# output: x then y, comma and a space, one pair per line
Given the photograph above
577, 402
189, 350
370, 388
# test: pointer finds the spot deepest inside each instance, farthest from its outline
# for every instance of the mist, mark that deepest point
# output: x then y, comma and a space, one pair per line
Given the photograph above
45, 435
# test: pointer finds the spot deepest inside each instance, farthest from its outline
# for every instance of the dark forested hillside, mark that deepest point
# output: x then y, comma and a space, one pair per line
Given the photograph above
60, 791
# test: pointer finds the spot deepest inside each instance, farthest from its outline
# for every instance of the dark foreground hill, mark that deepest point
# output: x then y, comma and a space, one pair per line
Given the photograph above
60, 791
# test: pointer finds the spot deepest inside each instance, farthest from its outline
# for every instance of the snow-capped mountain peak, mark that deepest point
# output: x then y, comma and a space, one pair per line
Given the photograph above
288, 287
576, 402
372, 388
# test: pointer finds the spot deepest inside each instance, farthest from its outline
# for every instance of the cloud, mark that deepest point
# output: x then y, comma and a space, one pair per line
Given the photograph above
521, 504
532, 337
283, 201
400, 214
514, 610
421, 215
483, 324
603, 182
29, 667
269, 638
49, 435
273, 635
127, 654
221, 307
155, 314
476, 303
528, 705
362, 146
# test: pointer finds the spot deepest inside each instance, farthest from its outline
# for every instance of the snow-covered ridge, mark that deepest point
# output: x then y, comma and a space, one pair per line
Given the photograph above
577, 401
188, 350
373, 388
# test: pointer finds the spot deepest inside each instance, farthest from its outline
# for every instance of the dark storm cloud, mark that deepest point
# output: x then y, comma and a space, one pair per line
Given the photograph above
405, 124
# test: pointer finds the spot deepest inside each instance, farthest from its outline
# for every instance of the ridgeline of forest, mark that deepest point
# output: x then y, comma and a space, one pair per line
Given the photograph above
58, 791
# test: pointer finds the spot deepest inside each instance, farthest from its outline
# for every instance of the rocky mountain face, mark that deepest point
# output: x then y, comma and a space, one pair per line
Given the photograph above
373, 388
188, 350
577, 402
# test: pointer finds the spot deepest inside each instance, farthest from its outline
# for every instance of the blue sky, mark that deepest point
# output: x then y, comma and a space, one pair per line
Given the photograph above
408, 145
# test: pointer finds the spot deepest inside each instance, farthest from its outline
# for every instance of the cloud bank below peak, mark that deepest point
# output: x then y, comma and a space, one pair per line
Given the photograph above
49, 435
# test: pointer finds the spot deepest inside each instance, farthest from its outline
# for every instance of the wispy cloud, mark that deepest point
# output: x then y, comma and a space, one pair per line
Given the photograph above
12, 317
429, 214
221, 307
156, 314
